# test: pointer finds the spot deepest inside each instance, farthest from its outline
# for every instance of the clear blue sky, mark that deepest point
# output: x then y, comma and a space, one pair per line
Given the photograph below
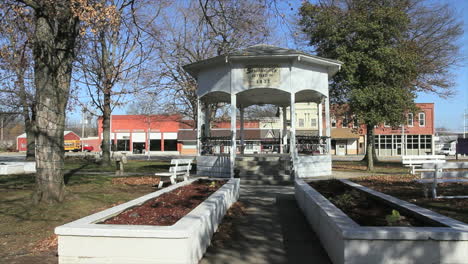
449, 112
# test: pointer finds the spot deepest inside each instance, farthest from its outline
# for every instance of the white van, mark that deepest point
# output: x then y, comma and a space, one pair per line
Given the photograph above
448, 149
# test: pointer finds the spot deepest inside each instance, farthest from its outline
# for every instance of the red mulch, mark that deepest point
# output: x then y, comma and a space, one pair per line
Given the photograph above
361, 207
168, 208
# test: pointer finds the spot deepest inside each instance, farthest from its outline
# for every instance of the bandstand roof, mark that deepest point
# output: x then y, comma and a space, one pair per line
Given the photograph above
242, 72
263, 51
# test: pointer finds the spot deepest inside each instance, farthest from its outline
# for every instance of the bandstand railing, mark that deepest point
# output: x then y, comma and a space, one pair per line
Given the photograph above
312, 145
215, 145
305, 145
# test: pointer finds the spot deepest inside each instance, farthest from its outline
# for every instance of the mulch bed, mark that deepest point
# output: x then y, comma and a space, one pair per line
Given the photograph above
168, 208
361, 207
404, 187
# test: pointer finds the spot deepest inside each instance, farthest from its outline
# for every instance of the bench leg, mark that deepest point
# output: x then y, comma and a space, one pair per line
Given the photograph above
161, 182
173, 180
426, 191
434, 192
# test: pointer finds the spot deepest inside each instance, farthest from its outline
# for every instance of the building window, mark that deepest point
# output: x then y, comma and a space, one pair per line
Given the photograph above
345, 122
301, 122
155, 145
170, 145
410, 119
333, 122
422, 119
313, 122
412, 142
386, 142
426, 142
123, 145
355, 122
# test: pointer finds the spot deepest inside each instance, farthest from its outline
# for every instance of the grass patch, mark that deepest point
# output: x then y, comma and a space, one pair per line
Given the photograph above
23, 224
381, 167
142, 166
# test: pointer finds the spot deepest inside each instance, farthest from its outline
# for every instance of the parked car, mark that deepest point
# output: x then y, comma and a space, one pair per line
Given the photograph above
447, 151
88, 148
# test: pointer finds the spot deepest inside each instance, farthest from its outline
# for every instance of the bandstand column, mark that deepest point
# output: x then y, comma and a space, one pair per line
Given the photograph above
200, 119
242, 144
233, 133
327, 124
285, 129
293, 123
206, 119
319, 115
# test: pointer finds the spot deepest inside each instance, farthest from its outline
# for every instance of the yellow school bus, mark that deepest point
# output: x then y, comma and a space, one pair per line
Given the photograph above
72, 145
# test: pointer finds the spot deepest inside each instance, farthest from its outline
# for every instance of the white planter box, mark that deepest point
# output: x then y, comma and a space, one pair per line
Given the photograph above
84, 241
17, 167
7, 169
347, 242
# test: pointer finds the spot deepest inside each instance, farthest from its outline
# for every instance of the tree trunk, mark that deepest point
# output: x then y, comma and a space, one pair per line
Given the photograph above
53, 51
30, 128
29, 116
106, 139
370, 153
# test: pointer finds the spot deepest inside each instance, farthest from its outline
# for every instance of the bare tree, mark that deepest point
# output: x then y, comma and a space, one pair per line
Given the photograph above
55, 29
194, 31
16, 70
435, 29
113, 63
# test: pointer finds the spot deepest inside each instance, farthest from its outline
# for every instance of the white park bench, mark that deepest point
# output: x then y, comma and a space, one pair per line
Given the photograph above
415, 162
181, 167
437, 173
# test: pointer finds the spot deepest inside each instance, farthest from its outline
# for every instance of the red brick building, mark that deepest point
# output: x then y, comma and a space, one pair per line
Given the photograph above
161, 133
140, 133
416, 137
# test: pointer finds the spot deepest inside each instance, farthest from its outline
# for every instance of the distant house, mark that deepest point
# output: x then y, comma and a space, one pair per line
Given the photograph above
22, 143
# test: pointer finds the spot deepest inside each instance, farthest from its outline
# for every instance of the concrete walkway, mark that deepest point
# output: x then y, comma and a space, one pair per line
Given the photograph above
272, 231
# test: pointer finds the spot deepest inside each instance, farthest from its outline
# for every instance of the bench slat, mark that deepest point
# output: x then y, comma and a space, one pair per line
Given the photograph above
441, 180
180, 168
423, 161
181, 161
449, 165
423, 157
445, 174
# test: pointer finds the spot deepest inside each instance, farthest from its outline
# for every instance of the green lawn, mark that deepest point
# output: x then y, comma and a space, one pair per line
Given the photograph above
387, 167
23, 224
142, 166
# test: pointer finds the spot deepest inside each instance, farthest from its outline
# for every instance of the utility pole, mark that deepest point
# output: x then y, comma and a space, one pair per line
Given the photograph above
465, 125
83, 120
1, 127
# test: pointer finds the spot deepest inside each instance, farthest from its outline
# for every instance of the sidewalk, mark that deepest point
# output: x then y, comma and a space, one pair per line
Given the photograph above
272, 231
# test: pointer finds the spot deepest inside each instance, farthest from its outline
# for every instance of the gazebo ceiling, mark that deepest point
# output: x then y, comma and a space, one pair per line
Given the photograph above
261, 96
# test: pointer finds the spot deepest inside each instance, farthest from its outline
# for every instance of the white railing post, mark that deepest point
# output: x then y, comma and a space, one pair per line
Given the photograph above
233, 132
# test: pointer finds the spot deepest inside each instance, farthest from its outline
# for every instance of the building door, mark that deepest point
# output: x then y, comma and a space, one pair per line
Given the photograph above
341, 148
398, 147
